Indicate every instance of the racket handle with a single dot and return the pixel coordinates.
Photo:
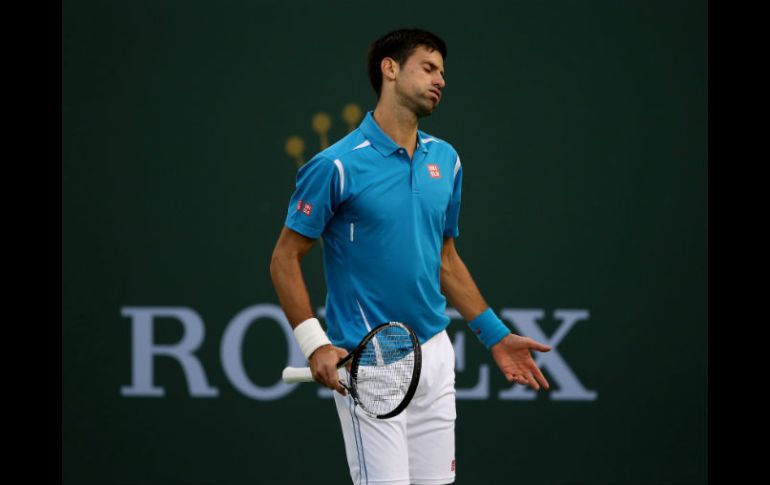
(292, 375)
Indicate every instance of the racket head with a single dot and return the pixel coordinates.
(385, 370)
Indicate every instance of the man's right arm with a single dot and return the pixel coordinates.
(289, 284)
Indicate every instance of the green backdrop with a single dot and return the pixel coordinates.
(582, 128)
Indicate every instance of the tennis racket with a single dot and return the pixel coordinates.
(384, 370)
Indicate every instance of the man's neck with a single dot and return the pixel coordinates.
(399, 123)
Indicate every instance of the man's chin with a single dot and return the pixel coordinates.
(426, 110)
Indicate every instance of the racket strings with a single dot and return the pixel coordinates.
(385, 370)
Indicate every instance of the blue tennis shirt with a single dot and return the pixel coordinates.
(382, 218)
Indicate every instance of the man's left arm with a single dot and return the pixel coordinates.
(511, 352)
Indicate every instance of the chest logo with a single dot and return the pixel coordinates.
(433, 171)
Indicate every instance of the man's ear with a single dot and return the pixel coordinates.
(389, 68)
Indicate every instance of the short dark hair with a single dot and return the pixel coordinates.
(399, 44)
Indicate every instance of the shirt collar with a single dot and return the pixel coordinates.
(381, 141)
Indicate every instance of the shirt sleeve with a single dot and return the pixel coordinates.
(316, 198)
(451, 227)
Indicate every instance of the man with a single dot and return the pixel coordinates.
(386, 200)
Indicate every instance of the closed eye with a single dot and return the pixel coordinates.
(430, 67)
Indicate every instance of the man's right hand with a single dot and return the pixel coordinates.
(323, 365)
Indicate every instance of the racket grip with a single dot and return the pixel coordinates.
(292, 375)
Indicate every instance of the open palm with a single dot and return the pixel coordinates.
(512, 355)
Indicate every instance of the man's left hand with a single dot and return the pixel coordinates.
(512, 355)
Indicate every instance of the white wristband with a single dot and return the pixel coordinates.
(310, 336)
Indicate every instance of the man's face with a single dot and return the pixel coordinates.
(420, 81)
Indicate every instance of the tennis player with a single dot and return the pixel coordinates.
(386, 200)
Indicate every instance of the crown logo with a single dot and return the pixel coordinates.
(321, 124)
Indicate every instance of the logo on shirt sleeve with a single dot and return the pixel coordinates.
(433, 170)
(305, 207)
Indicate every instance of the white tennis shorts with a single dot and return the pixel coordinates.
(418, 445)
